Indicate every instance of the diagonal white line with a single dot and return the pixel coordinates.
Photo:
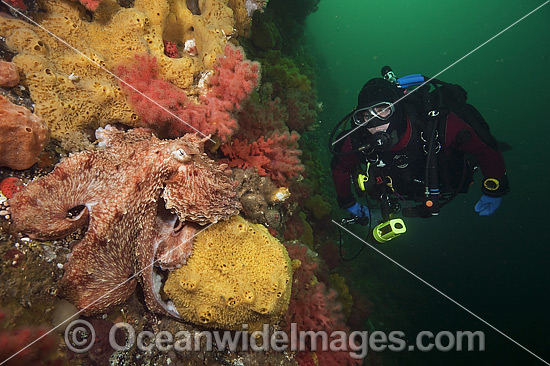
(99, 298)
(103, 68)
(440, 292)
(447, 68)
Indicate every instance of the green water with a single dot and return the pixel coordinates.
(496, 267)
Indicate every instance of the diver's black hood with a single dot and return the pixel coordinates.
(380, 90)
(375, 91)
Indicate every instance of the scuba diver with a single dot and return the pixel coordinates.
(413, 139)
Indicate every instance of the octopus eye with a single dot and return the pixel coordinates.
(75, 213)
(181, 156)
(178, 225)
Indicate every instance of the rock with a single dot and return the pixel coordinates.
(23, 136)
(9, 74)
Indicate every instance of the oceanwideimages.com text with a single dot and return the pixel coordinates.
(80, 335)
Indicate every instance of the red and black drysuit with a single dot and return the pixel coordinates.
(406, 161)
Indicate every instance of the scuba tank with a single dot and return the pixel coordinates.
(432, 116)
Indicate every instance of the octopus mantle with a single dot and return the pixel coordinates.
(142, 199)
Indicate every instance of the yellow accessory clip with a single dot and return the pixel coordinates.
(363, 178)
(390, 184)
(491, 184)
(388, 230)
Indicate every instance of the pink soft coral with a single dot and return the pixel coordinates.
(276, 156)
(235, 78)
(167, 109)
(90, 4)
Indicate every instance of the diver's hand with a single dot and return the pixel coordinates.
(359, 210)
(487, 205)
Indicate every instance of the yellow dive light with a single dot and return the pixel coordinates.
(388, 230)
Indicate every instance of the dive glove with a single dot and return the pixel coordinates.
(488, 205)
(359, 210)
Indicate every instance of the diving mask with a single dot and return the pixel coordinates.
(374, 115)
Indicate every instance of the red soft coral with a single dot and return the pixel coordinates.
(171, 49)
(167, 109)
(277, 156)
(10, 186)
(17, 3)
(313, 307)
(294, 228)
(14, 350)
(305, 359)
(259, 118)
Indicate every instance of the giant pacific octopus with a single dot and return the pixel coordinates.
(142, 199)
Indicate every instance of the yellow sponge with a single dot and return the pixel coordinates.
(238, 274)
